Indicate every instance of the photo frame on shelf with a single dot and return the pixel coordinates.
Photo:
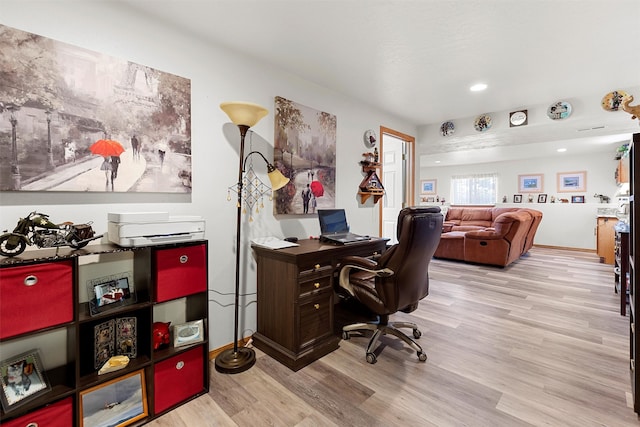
(115, 337)
(119, 402)
(572, 181)
(188, 333)
(109, 292)
(542, 198)
(22, 379)
(531, 183)
(577, 199)
(517, 198)
(428, 186)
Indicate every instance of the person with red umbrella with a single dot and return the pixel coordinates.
(110, 150)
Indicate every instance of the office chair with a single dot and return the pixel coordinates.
(397, 280)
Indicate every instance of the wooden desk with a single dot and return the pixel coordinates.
(296, 299)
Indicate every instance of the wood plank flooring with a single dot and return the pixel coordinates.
(539, 343)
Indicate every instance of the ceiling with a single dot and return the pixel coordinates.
(416, 59)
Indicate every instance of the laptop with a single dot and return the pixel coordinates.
(334, 227)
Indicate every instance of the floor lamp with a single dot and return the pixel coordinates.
(244, 115)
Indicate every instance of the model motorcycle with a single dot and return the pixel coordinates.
(36, 229)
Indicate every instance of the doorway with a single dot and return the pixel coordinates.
(398, 165)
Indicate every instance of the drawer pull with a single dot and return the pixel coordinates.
(316, 285)
(183, 259)
(316, 306)
(179, 365)
(317, 266)
(30, 280)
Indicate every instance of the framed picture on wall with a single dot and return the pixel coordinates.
(428, 186)
(531, 183)
(572, 182)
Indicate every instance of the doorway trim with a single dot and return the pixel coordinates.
(411, 146)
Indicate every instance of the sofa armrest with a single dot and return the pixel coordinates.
(446, 228)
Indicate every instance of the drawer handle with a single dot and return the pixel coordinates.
(316, 306)
(317, 266)
(30, 280)
(179, 365)
(316, 285)
(184, 259)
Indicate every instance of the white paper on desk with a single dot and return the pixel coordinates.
(273, 243)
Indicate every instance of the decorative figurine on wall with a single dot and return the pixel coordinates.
(633, 110)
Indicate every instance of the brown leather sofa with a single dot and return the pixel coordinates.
(494, 236)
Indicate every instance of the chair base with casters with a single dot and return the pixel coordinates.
(384, 327)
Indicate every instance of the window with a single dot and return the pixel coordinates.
(477, 189)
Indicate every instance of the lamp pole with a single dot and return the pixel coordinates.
(15, 167)
(50, 163)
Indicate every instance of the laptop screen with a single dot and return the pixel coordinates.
(332, 221)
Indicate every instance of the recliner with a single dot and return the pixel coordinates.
(397, 280)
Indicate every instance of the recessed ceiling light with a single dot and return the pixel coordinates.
(478, 87)
(437, 161)
(561, 150)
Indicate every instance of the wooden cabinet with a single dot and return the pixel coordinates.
(634, 248)
(622, 171)
(605, 238)
(296, 299)
(621, 268)
(48, 305)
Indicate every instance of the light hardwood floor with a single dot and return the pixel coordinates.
(539, 343)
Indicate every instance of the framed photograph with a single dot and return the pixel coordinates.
(428, 186)
(572, 181)
(577, 199)
(110, 292)
(530, 183)
(517, 198)
(188, 333)
(22, 379)
(542, 198)
(119, 402)
(431, 199)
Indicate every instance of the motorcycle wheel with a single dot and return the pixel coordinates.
(8, 248)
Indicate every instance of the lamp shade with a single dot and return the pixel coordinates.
(277, 179)
(244, 113)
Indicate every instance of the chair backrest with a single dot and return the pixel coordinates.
(419, 230)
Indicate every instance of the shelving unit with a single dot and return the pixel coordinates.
(366, 191)
(49, 311)
(621, 268)
(634, 247)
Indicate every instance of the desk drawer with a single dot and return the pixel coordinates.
(316, 283)
(60, 414)
(35, 296)
(178, 378)
(315, 318)
(180, 272)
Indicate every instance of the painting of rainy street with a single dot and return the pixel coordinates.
(305, 152)
(76, 120)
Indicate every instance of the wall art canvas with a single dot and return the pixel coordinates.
(305, 152)
(72, 119)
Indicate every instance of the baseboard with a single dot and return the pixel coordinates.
(564, 248)
(214, 353)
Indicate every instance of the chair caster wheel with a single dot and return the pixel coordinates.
(422, 356)
(345, 335)
(371, 358)
(417, 334)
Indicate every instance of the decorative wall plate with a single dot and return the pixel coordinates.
(559, 110)
(370, 138)
(447, 128)
(613, 100)
(482, 123)
(518, 118)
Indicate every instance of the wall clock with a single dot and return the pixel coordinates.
(447, 128)
(518, 118)
(370, 138)
(559, 110)
(482, 123)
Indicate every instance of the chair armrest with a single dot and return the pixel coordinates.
(350, 263)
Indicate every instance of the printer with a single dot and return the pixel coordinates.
(152, 228)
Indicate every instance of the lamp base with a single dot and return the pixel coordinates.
(233, 362)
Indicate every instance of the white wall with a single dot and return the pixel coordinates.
(216, 75)
(566, 225)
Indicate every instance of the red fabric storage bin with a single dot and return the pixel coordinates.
(180, 272)
(178, 378)
(60, 414)
(35, 296)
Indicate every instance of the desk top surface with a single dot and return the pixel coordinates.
(315, 247)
